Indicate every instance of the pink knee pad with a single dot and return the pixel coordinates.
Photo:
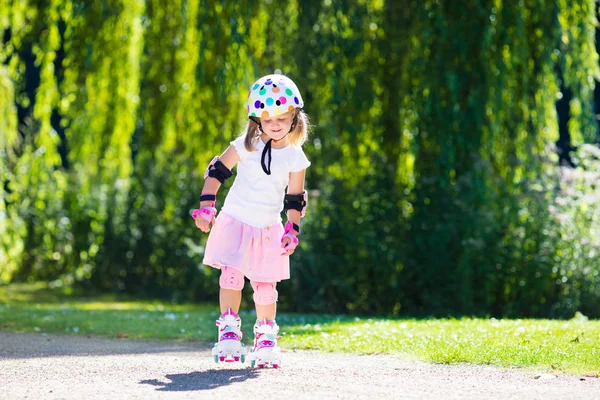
(264, 292)
(231, 278)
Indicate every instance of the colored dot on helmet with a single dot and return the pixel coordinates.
(289, 92)
(278, 111)
(262, 105)
(268, 82)
(265, 114)
(296, 100)
(253, 114)
(257, 104)
(278, 102)
(262, 91)
(269, 101)
(255, 86)
(290, 108)
(275, 89)
(283, 100)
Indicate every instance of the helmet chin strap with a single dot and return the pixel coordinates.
(277, 140)
(266, 165)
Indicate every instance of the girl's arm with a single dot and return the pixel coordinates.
(211, 185)
(229, 158)
(295, 186)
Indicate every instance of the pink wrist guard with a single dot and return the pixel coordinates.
(290, 234)
(207, 213)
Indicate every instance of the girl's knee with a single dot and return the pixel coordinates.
(264, 292)
(231, 279)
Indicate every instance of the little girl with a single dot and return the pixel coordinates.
(248, 238)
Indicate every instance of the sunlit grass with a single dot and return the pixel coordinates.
(571, 346)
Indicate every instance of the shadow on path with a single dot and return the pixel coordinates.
(202, 380)
(36, 345)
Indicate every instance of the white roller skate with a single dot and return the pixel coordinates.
(229, 348)
(265, 351)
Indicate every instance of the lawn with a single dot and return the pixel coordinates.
(571, 346)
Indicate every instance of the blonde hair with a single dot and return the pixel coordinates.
(297, 137)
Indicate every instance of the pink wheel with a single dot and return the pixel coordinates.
(236, 358)
(275, 365)
(221, 358)
(261, 366)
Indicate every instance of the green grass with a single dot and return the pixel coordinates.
(568, 346)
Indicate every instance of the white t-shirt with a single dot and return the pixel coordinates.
(256, 198)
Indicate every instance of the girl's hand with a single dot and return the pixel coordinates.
(285, 242)
(202, 224)
(289, 241)
(203, 217)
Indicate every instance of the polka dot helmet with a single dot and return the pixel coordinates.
(273, 95)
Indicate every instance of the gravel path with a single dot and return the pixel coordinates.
(39, 366)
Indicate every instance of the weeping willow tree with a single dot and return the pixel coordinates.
(487, 113)
(481, 231)
(432, 187)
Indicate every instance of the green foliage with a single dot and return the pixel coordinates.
(433, 190)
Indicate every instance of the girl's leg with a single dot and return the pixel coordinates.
(265, 350)
(265, 300)
(230, 295)
(229, 346)
(230, 299)
(265, 311)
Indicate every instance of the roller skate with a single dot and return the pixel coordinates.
(229, 348)
(265, 351)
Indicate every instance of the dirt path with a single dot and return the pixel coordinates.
(36, 366)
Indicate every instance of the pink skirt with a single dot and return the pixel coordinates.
(255, 252)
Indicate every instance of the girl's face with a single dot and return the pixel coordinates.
(277, 126)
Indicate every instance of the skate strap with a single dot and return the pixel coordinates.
(266, 330)
(230, 328)
(230, 336)
(265, 345)
(270, 337)
(222, 321)
(267, 340)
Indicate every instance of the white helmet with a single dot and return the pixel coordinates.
(273, 95)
